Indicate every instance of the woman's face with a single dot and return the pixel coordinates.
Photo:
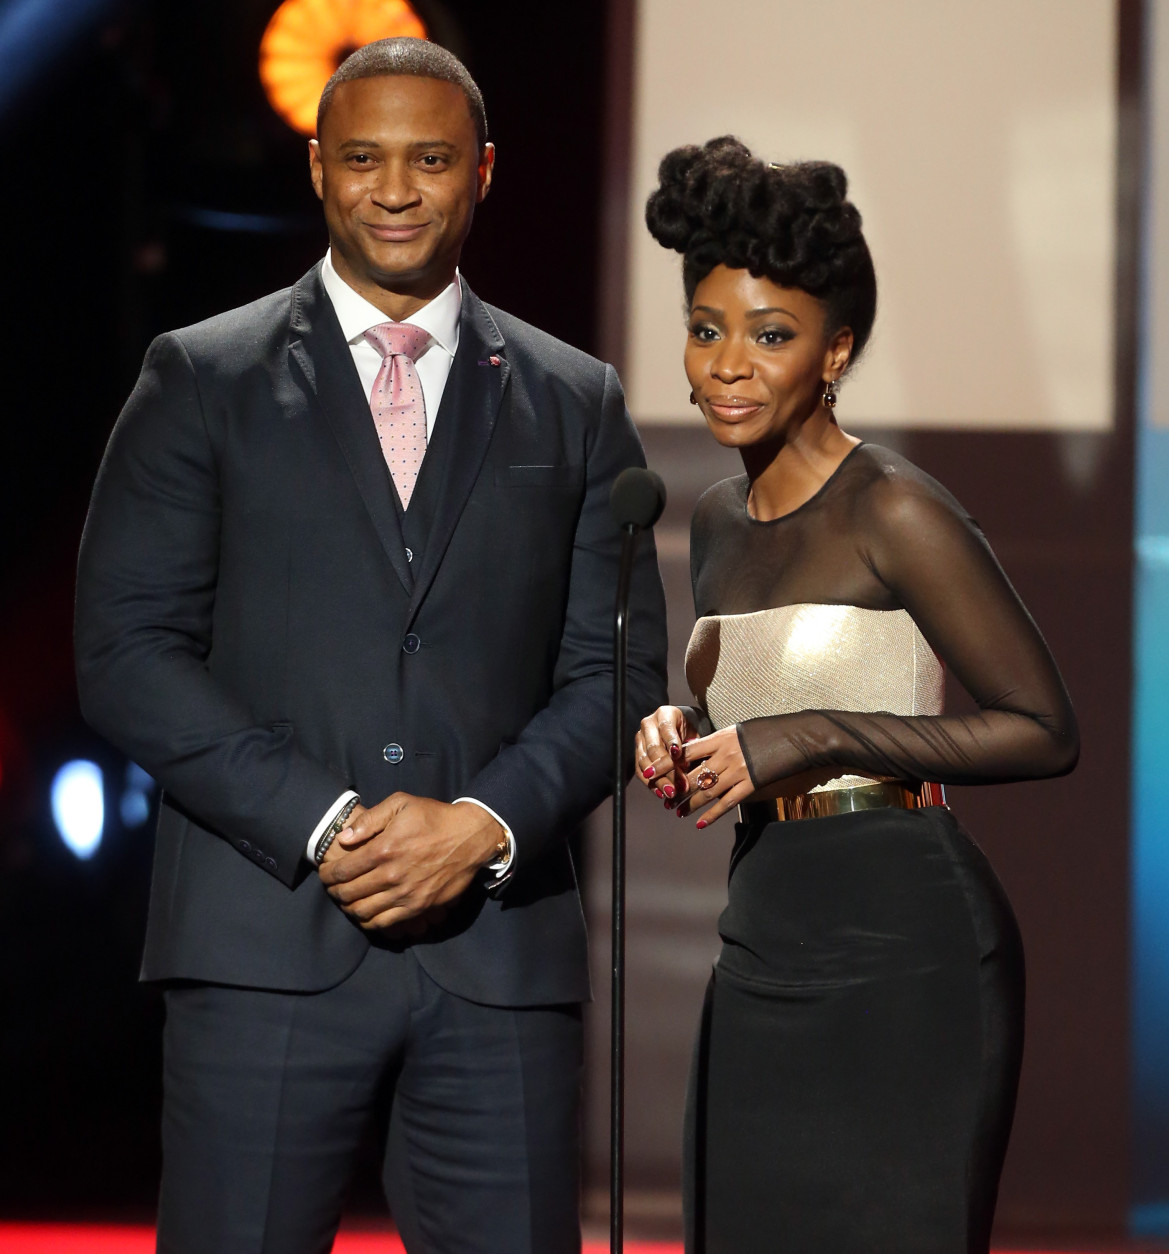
(757, 356)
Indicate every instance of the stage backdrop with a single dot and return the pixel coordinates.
(979, 140)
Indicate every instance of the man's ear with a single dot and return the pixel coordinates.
(485, 171)
(316, 169)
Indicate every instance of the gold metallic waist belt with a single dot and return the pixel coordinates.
(879, 795)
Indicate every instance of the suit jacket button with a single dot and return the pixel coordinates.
(245, 847)
(270, 863)
(409, 555)
(393, 754)
(411, 644)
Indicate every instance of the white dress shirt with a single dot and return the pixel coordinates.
(439, 317)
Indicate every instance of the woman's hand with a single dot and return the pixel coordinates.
(711, 771)
(658, 747)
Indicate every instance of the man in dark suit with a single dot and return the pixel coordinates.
(350, 547)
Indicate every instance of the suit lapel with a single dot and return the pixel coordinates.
(319, 349)
(462, 430)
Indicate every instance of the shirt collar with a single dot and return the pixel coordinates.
(356, 315)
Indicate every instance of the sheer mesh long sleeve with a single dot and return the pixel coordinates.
(882, 535)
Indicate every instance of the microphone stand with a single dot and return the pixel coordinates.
(629, 534)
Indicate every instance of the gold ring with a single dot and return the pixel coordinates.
(706, 778)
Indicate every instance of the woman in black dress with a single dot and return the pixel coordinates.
(859, 1052)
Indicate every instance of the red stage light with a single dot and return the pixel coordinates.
(87, 1239)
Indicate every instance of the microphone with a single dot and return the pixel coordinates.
(637, 499)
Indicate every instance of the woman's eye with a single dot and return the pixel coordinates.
(704, 334)
(774, 336)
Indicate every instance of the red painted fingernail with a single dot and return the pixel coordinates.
(675, 751)
(660, 793)
(649, 772)
(681, 814)
(700, 824)
(669, 790)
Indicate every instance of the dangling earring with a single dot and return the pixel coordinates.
(830, 394)
(693, 399)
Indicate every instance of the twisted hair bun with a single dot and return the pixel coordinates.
(720, 205)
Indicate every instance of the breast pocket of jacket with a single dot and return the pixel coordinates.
(533, 510)
(547, 477)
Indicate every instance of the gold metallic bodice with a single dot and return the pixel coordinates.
(812, 657)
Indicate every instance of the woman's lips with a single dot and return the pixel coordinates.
(733, 406)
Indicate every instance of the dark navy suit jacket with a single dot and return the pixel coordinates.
(244, 596)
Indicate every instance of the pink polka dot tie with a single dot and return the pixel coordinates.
(399, 410)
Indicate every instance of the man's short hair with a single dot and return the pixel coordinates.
(405, 55)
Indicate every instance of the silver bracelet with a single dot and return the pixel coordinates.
(334, 830)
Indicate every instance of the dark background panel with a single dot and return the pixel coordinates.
(1057, 509)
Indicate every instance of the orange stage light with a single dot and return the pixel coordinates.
(307, 39)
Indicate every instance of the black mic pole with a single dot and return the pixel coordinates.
(637, 500)
(617, 1023)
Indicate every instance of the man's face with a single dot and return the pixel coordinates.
(399, 170)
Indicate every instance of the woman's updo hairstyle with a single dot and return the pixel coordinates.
(720, 205)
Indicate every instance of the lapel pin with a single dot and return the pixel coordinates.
(492, 361)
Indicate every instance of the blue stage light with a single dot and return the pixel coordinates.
(79, 810)
(35, 33)
(135, 804)
(248, 223)
(134, 808)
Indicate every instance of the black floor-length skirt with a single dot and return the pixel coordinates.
(856, 1066)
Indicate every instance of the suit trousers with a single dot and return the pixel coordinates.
(267, 1097)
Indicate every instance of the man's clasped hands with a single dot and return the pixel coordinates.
(398, 865)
